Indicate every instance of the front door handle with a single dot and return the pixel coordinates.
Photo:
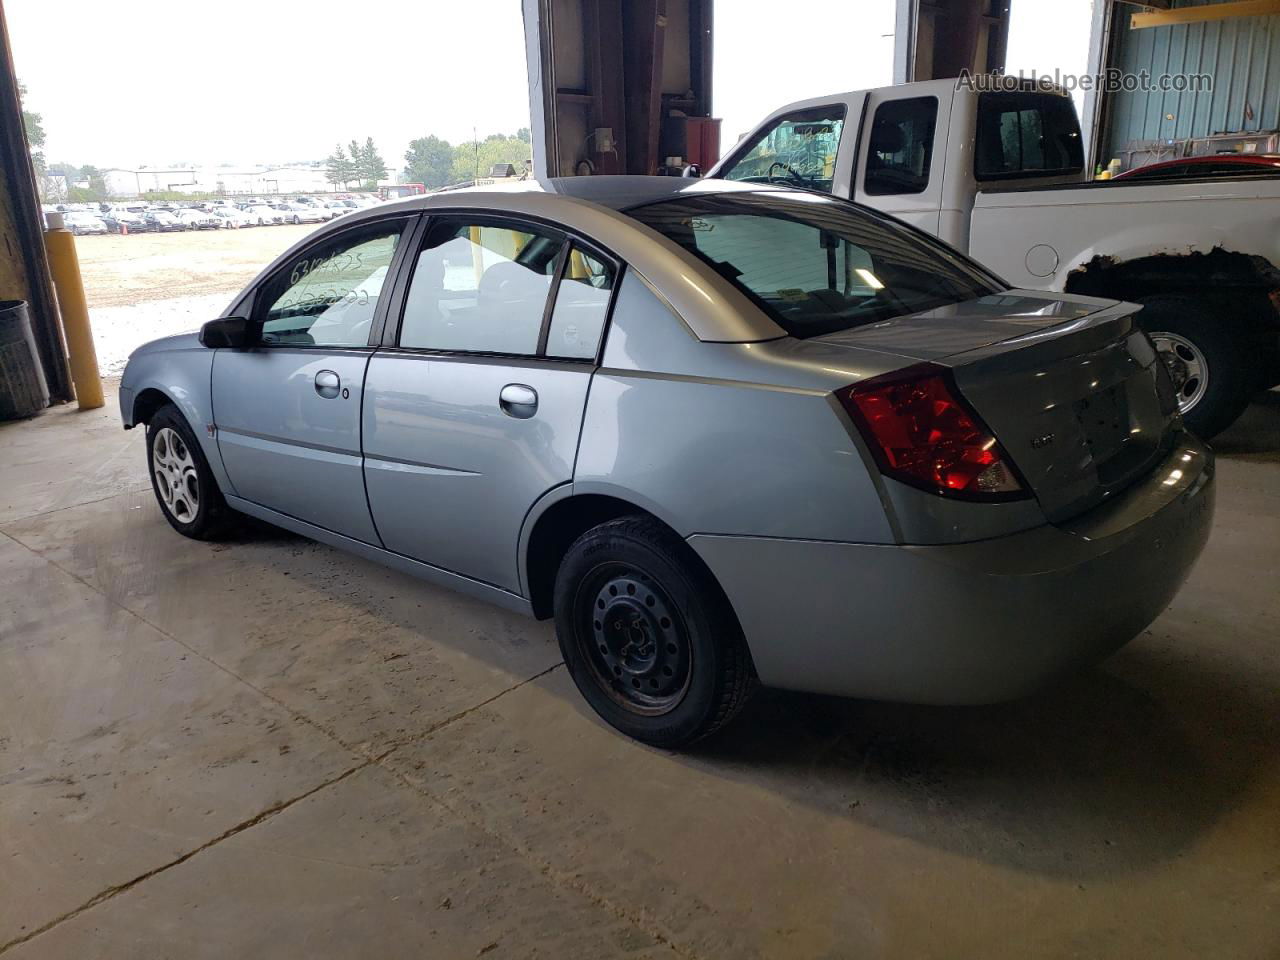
(328, 384)
(518, 400)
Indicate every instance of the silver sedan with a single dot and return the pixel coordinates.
(724, 434)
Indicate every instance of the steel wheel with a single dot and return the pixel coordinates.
(1187, 366)
(634, 639)
(176, 476)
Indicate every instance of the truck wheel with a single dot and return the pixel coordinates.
(647, 635)
(1211, 374)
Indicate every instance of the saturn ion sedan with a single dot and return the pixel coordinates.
(724, 434)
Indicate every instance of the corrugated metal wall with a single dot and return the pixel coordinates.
(1241, 53)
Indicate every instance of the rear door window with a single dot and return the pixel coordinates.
(900, 151)
(481, 287)
(798, 150)
(1027, 135)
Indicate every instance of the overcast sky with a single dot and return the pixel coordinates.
(252, 81)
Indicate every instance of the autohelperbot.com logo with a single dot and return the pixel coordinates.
(1112, 80)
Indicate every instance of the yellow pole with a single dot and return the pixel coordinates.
(60, 246)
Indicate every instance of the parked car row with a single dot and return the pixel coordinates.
(166, 217)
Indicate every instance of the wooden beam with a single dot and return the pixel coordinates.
(700, 52)
(1213, 11)
(644, 25)
(602, 29)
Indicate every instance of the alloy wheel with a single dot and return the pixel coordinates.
(1187, 366)
(176, 477)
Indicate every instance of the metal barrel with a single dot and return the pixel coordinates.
(23, 390)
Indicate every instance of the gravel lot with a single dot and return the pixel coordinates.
(157, 284)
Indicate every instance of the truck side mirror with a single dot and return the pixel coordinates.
(691, 170)
(230, 332)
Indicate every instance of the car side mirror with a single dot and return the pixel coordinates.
(692, 170)
(230, 332)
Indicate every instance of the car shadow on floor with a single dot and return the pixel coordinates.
(1096, 777)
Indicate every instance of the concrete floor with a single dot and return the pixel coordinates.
(266, 748)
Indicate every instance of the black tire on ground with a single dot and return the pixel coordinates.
(1227, 367)
(297, 220)
(211, 516)
(647, 634)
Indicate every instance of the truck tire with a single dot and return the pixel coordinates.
(1212, 373)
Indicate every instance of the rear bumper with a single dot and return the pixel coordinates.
(968, 623)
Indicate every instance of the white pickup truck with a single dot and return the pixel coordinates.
(1000, 176)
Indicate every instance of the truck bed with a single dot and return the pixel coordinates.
(1035, 237)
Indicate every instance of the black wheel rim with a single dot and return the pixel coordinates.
(633, 639)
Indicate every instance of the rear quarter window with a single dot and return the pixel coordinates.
(1027, 135)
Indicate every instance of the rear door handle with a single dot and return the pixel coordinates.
(518, 400)
(328, 384)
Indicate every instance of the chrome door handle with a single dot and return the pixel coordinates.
(328, 384)
(518, 400)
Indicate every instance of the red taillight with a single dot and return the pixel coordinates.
(922, 433)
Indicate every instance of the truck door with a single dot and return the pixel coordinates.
(900, 170)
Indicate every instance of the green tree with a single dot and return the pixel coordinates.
(428, 161)
(97, 181)
(477, 159)
(84, 195)
(68, 170)
(370, 165)
(338, 167)
(525, 134)
(33, 124)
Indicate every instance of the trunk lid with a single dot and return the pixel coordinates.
(1070, 387)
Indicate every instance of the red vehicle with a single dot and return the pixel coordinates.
(1218, 165)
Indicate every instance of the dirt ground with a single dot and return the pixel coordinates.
(124, 271)
(149, 285)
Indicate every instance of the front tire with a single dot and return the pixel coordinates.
(1213, 375)
(648, 636)
(181, 479)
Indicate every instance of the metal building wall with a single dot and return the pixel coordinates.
(1241, 53)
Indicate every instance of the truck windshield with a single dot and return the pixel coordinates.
(815, 264)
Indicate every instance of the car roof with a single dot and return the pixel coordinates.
(596, 207)
(619, 193)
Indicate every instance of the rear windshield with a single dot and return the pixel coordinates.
(1027, 135)
(815, 264)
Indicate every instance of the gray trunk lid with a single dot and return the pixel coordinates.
(1070, 386)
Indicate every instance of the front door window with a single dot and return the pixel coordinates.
(328, 295)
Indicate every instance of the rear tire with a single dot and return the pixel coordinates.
(1212, 372)
(181, 479)
(648, 636)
